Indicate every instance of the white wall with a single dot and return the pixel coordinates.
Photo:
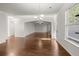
(20, 27)
(29, 28)
(40, 27)
(11, 26)
(3, 27)
(72, 49)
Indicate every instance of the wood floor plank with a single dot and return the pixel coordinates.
(33, 46)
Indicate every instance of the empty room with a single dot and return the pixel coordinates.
(39, 29)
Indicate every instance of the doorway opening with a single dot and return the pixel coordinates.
(41, 29)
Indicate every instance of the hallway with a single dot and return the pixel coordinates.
(33, 46)
(39, 29)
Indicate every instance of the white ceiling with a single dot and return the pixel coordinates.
(30, 8)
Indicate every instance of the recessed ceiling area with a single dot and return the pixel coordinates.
(30, 8)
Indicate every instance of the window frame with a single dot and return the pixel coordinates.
(73, 41)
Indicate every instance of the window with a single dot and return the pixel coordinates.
(72, 25)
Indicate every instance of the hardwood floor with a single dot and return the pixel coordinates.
(37, 44)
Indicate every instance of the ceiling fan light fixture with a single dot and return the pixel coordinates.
(35, 17)
(42, 15)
